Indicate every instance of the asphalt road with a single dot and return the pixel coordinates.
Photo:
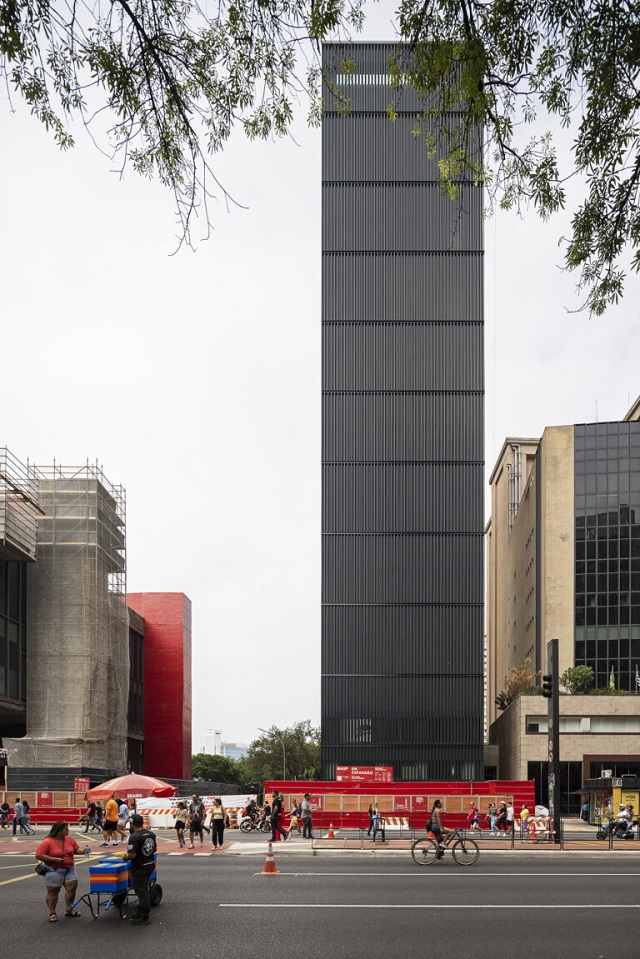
(565, 905)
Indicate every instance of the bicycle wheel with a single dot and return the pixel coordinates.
(424, 852)
(465, 851)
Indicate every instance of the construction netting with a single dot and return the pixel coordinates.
(78, 636)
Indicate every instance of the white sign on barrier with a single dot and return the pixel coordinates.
(160, 811)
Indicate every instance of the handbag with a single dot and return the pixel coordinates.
(41, 869)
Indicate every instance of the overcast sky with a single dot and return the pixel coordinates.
(194, 380)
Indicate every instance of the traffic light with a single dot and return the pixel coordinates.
(547, 686)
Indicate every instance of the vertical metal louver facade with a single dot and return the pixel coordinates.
(402, 442)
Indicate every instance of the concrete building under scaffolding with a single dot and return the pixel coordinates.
(72, 697)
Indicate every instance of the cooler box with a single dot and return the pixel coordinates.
(110, 876)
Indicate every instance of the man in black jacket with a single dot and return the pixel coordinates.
(276, 816)
(141, 850)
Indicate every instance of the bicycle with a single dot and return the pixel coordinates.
(465, 851)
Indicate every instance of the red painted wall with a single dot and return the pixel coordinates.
(167, 682)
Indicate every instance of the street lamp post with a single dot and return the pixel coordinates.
(268, 732)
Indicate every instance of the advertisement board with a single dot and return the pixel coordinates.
(81, 784)
(364, 774)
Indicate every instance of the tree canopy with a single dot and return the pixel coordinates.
(294, 750)
(577, 679)
(173, 80)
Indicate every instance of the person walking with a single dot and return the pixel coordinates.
(18, 817)
(57, 852)
(370, 811)
(27, 817)
(524, 823)
(378, 824)
(196, 819)
(123, 818)
(474, 818)
(141, 853)
(180, 814)
(492, 818)
(277, 812)
(90, 816)
(510, 816)
(110, 825)
(217, 822)
(5, 815)
(295, 818)
(306, 815)
(502, 817)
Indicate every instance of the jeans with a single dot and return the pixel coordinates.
(20, 822)
(306, 827)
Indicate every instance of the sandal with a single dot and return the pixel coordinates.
(72, 913)
(53, 917)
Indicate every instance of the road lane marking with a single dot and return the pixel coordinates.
(29, 875)
(433, 906)
(456, 875)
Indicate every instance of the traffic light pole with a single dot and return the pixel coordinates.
(551, 690)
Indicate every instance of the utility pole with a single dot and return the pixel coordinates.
(550, 690)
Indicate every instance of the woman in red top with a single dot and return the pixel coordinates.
(57, 852)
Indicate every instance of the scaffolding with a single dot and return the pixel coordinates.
(19, 508)
(78, 631)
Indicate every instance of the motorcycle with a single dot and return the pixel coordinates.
(260, 824)
(617, 829)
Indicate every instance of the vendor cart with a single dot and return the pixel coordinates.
(110, 885)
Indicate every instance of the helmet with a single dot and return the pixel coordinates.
(622, 806)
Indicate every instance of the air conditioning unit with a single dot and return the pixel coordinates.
(606, 774)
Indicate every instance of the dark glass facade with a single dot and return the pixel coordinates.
(13, 636)
(607, 563)
(402, 442)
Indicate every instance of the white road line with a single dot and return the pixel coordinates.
(432, 906)
(427, 874)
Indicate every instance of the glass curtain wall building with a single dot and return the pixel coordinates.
(607, 573)
(402, 441)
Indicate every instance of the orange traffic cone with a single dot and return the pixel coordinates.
(330, 834)
(270, 863)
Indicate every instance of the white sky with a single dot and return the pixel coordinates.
(195, 381)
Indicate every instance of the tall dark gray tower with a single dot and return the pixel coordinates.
(402, 442)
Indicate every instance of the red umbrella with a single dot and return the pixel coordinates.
(133, 786)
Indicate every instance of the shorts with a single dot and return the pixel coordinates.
(57, 877)
(109, 825)
(195, 826)
(179, 824)
(435, 829)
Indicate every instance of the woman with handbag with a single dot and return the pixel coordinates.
(56, 853)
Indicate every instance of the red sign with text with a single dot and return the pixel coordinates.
(364, 774)
(81, 784)
(45, 799)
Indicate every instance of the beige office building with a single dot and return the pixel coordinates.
(563, 562)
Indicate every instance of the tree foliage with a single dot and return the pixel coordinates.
(300, 758)
(215, 769)
(267, 760)
(175, 79)
(522, 679)
(578, 679)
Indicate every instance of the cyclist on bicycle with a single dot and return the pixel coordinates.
(435, 825)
